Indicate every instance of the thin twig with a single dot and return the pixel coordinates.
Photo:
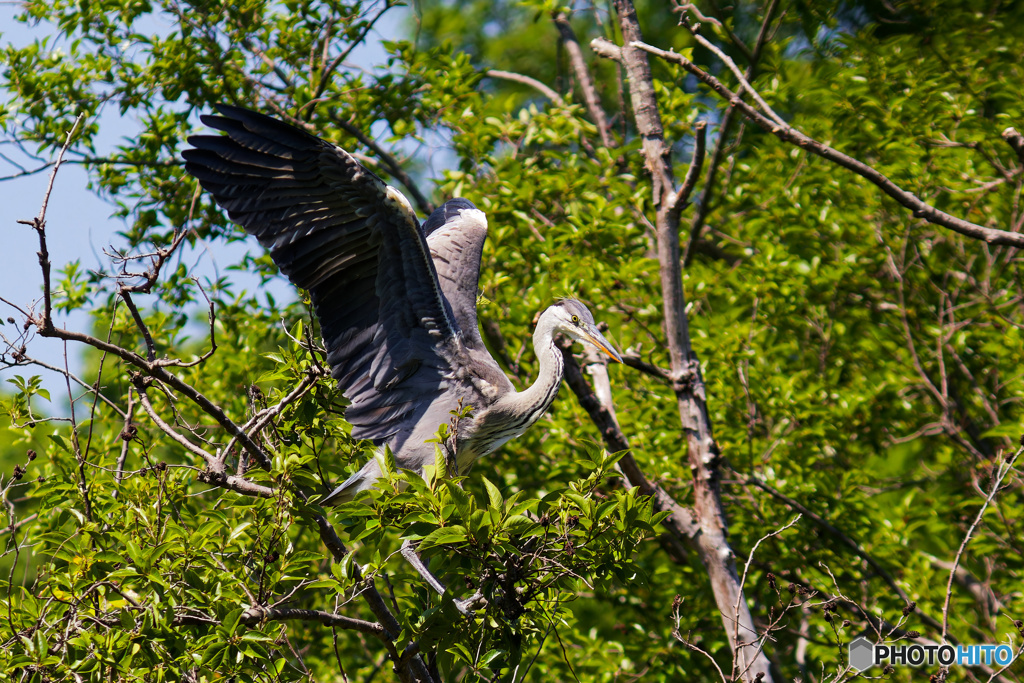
(527, 80)
(39, 225)
(681, 199)
(140, 386)
(328, 71)
(261, 419)
(212, 317)
(1004, 469)
(739, 596)
(141, 324)
(724, 130)
(787, 133)
(740, 77)
(88, 387)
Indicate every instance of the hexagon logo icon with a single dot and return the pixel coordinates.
(862, 654)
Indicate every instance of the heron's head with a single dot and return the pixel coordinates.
(574, 320)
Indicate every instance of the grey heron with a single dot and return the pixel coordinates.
(396, 300)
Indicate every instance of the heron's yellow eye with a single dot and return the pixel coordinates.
(576, 319)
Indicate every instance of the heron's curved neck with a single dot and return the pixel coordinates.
(536, 398)
(516, 411)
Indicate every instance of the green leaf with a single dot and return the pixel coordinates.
(445, 536)
(494, 496)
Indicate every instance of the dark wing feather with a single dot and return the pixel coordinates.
(337, 230)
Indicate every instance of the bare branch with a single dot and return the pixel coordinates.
(88, 387)
(527, 80)
(850, 543)
(258, 615)
(739, 595)
(586, 83)
(603, 47)
(682, 521)
(159, 258)
(139, 383)
(724, 129)
(156, 371)
(787, 133)
(679, 200)
(634, 361)
(691, 8)
(39, 225)
(263, 418)
(739, 76)
(676, 603)
(1016, 141)
(1004, 469)
(702, 451)
(328, 71)
(394, 168)
(140, 323)
(212, 317)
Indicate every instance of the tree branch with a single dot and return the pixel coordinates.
(850, 543)
(527, 80)
(394, 168)
(256, 615)
(682, 523)
(579, 67)
(1016, 141)
(703, 454)
(787, 133)
(1004, 469)
(724, 129)
(39, 225)
(681, 199)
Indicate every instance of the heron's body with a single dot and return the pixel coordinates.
(396, 300)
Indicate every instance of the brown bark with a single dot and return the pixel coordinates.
(586, 83)
(710, 541)
(724, 128)
(787, 133)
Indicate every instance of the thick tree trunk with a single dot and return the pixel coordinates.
(711, 541)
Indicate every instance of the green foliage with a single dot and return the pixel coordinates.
(860, 363)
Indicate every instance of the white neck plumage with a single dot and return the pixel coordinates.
(539, 396)
(515, 412)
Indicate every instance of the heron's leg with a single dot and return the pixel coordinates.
(412, 557)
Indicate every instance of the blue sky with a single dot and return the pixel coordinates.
(80, 226)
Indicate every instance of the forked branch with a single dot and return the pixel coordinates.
(702, 451)
(771, 122)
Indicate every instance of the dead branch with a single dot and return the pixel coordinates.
(1005, 467)
(258, 615)
(787, 133)
(39, 222)
(1016, 142)
(688, 384)
(681, 523)
(527, 80)
(586, 83)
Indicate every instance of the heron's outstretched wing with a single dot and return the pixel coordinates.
(338, 231)
(456, 233)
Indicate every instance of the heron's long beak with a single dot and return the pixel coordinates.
(592, 335)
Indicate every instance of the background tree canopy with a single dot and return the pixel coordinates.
(860, 360)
